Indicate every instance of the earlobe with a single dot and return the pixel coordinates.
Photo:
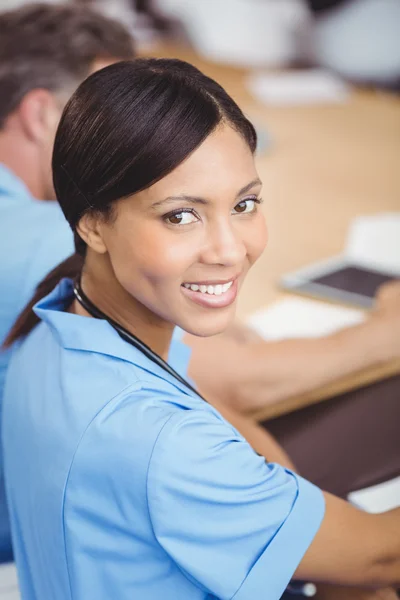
(89, 230)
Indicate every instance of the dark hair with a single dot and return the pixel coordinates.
(125, 128)
(54, 47)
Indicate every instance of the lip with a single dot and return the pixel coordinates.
(211, 300)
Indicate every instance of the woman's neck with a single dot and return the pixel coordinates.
(102, 288)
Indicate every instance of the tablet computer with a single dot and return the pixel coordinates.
(339, 280)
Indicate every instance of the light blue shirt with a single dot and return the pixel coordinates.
(122, 483)
(34, 238)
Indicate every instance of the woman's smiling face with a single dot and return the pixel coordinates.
(181, 248)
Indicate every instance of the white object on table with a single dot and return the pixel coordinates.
(311, 86)
(378, 498)
(374, 241)
(301, 317)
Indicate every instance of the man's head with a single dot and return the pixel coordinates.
(45, 53)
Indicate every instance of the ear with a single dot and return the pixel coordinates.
(38, 114)
(89, 229)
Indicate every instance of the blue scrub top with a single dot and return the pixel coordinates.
(122, 483)
(34, 238)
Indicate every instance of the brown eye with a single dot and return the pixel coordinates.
(175, 219)
(241, 207)
(246, 206)
(182, 217)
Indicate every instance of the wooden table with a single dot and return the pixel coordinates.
(325, 166)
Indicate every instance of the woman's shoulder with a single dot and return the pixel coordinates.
(93, 386)
(121, 438)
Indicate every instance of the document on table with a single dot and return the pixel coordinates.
(299, 317)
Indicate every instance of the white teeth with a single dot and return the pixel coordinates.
(216, 290)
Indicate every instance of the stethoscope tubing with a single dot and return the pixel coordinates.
(129, 337)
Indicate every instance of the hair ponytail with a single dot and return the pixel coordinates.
(71, 268)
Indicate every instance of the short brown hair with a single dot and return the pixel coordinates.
(54, 47)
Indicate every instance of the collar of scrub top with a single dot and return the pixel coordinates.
(76, 332)
(13, 187)
(127, 336)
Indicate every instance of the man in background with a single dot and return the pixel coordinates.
(45, 53)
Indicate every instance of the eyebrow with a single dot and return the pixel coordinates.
(198, 200)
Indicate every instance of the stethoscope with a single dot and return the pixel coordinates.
(129, 337)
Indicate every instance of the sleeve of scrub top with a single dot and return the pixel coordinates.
(235, 525)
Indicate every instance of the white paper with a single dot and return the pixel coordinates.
(300, 317)
(312, 86)
(374, 241)
(378, 498)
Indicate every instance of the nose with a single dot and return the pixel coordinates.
(224, 246)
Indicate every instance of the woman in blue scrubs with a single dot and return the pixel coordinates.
(122, 481)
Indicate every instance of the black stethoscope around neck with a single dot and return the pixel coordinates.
(129, 337)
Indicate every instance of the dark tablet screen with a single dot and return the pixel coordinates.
(355, 279)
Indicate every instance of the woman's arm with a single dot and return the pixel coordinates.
(354, 548)
(351, 548)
